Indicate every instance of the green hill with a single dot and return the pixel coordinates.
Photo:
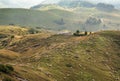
(33, 18)
(47, 57)
(59, 19)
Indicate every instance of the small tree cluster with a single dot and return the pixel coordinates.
(77, 33)
(6, 68)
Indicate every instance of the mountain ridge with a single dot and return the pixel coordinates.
(72, 3)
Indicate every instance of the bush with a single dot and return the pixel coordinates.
(75, 34)
(69, 65)
(10, 67)
(12, 36)
(6, 68)
(3, 69)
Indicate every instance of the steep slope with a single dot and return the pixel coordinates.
(68, 58)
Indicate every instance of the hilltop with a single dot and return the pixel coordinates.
(59, 57)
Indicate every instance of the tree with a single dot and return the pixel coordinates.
(6, 68)
(86, 33)
(77, 33)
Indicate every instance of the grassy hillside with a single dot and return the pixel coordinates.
(60, 19)
(47, 57)
(32, 18)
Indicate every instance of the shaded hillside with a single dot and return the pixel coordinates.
(47, 57)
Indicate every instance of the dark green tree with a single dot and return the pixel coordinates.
(6, 68)
(86, 33)
(77, 33)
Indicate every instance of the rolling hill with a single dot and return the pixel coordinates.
(60, 19)
(56, 57)
(40, 43)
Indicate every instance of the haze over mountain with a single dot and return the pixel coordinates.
(29, 3)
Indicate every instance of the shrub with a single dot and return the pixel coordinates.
(69, 65)
(3, 69)
(10, 67)
(12, 36)
(6, 68)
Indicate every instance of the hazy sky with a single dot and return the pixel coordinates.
(19, 3)
(29, 3)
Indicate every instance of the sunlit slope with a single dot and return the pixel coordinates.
(68, 58)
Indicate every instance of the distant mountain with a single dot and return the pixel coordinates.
(67, 3)
(75, 4)
(45, 3)
(105, 7)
